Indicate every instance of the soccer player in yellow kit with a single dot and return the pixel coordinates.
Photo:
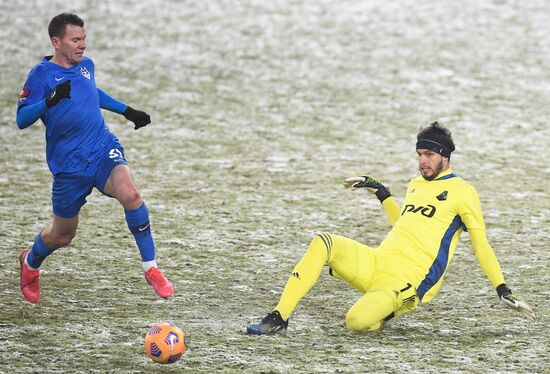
(409, 265)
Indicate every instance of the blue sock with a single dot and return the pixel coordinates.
(38, 253)
(138, 223)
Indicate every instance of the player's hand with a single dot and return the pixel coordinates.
(61, 91)
(138, 117)
(367, 182)
(513, 302)
(371, 184)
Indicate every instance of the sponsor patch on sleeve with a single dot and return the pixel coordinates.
(24, 94)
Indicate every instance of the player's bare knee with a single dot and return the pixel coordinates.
(131, 199)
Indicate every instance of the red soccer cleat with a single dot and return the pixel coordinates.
(29, 280)
(160, 284)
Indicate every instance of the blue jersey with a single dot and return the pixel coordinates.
(75, 129)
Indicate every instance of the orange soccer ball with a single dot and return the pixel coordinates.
(165, 343)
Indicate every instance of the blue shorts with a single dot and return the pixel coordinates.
(69, 190)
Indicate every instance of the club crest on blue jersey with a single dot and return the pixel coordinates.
(85, 72)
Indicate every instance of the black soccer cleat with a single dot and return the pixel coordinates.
(270, 324)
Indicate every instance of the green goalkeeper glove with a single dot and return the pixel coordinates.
(513, 302)
(371, 184)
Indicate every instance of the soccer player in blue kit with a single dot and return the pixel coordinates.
(81, 151)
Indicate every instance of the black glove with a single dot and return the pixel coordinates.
(371, 184)
(138, 117)
(61, 91)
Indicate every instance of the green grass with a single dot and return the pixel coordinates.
(260, 110)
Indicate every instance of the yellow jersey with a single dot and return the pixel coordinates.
(426, 230)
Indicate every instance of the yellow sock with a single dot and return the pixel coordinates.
(303, 277)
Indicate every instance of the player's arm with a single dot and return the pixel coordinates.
(486, 256)
(383, 194)
(138, 117)
(27, 113)
(490, 265)
(473, 218)
(108, 102)
(392, 209)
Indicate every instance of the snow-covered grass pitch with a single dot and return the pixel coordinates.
(260, 110)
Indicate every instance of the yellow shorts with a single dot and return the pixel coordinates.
(385, 293)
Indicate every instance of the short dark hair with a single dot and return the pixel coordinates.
(59, 23)
(437, 138)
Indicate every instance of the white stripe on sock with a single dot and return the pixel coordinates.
(148, 265)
